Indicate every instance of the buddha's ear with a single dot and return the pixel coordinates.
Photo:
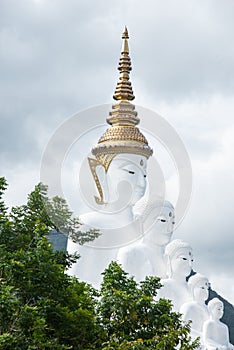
(98, 172)
(101, 174)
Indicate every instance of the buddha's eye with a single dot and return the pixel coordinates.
(184, 258)
(131, 172)
(162, 220)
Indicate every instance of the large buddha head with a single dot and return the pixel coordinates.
(120, 156)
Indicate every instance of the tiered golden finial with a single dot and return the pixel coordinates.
(124, 87)
(122, 136)
(123, 112)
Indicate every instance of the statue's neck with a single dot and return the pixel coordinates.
(158, 249)
(181, 279)
(201, 302)
(123, 214)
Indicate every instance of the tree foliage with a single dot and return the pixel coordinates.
(43, 308)
(133, 319)
(57, 215)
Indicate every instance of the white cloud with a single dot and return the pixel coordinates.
(21, 181)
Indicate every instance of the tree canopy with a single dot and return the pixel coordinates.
(133, 319)
(41, 307)
(55, 213)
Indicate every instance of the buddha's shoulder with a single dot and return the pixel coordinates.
(89, 218)
(168, 282)
(190, 306)
(136, 249)
(96, 220)
(209, 323)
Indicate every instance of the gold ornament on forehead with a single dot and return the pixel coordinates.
(123, 136)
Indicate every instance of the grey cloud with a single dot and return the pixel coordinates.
(186, 48)
(49, 55)
(62, 58)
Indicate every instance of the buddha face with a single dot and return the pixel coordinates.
(181, 262)
(126, 178)
(217, 310)
(200, 291)
(159, 225)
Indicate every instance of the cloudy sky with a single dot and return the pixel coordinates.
(59, 57)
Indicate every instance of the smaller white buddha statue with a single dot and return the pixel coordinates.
(145, 257)
(215, 332)
(196, 310)
(179, 258)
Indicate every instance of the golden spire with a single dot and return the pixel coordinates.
(122, 136)
(123, 112)
(124, 87)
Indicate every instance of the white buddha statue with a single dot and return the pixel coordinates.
(179, 265)
(215, 332)
(196, 310)
(146, 256)
(118, 165)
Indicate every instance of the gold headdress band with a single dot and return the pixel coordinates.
(122, 136)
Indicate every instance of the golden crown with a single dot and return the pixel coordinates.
(122, 136)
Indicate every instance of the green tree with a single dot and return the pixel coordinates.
(57, 215)
(3, 186)
(41, 307)
(132, 319)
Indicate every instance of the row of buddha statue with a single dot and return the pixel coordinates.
(136, 229)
